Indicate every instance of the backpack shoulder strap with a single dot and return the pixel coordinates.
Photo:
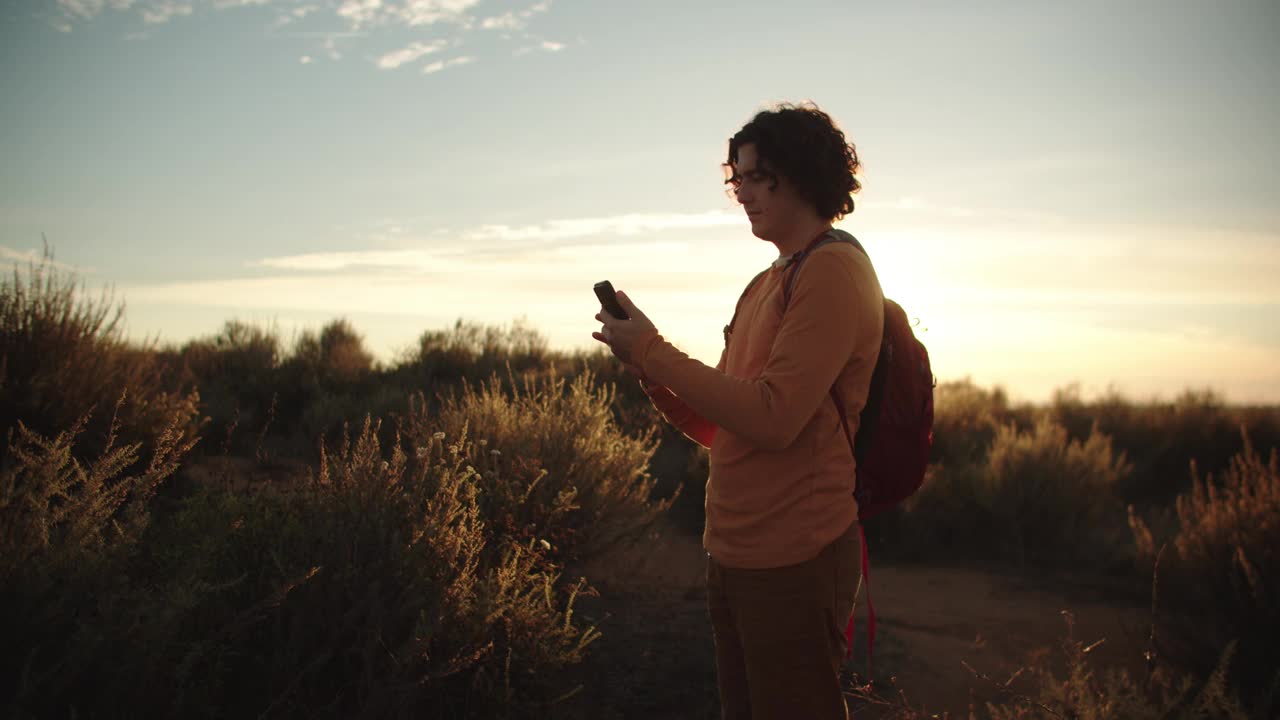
(794, 267)
(729, 328)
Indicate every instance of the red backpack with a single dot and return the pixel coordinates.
(895, 429)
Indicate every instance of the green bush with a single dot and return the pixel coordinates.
(1219, 580)
(556, 462)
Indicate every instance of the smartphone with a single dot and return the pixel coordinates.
(609, 300)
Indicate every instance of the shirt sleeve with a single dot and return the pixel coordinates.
(813, 343)
(680, 415)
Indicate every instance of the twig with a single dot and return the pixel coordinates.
(1006, 691)
(1150, 655)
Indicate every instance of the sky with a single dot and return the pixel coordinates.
(1062, 193)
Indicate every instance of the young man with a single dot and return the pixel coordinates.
(781, 522)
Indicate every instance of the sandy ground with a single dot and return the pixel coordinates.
(655, 658)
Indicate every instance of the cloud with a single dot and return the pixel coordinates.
(506, 21)
(439, 65)
(420, 12)
(23, 258)
(512, 20)
(544, 45)
(83, 9)
(161, 12)
(414, 51)
(409, 260)
(305, 60)
(912, 204)
(629, 224)
(360, 12)
(354, 18)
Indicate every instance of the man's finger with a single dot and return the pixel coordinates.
(625, 302)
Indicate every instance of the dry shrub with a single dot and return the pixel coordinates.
(966, 418)
(1218, 581)
(64, 357)
(556, 462)
(1162, 437)
(374, 589)
(1037, 496)
(474, 351)
(1068, 684)
(67, 531)
(1086, 693)
(335, 355)
(237, 370)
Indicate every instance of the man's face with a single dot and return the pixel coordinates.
(772, 212)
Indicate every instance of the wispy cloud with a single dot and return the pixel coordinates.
(414, 51)
(85, 9)
(629, 224)
(360, 12)
(24, 258)
(514, 20)
(439, 65)
(163, 11)
(506, 21)
(543, 45)
(415, 260)
(429, 12)
(345, 19)
(916, 205)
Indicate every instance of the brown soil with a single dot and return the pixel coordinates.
(655, 657)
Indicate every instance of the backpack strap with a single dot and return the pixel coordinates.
(728, 329)
(798, 259)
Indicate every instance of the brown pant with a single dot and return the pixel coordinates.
(779, 634)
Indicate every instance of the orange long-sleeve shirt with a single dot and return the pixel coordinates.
(782, 476)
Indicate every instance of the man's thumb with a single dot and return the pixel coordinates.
(625, 302)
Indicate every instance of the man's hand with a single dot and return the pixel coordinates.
(624, 337)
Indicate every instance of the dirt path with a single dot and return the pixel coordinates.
(655, 659)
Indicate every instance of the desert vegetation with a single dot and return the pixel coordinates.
(236, 527)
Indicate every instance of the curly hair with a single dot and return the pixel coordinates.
(802, 144)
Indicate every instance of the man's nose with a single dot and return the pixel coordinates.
(744, 194)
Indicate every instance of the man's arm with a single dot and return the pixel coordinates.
(812, 345)
(679, 414)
